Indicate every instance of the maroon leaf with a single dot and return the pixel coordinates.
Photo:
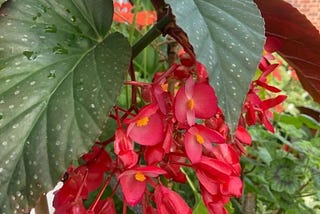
(300, 41)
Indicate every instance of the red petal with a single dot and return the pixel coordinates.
(122, 143)
(266, 123)
(266, 71)
(227, 153)
(129, 158)
(170, 202)
(192, 147)
(151, 171)
(232, 187)
(189, 88)
(210, 185)
(205, 101)
(268, 87)
(243, 135)
(217, 208)
(272, 102)
(211, 136)
(153, 154)
(180, 105)
(150, 134)
(144, 112)
(211, 171)
(132, 189)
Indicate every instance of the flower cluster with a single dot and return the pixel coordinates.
(179, 126)
(255, 109)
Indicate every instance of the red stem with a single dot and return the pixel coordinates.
(124, 207)
(106, 142)
(167, 73)
(94, 204)
(114, 190)
(128, 112)
(82, 185)
(151, 182)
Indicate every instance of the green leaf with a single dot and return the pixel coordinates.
(228, 38)
(282, 175)
(264, 155)
(60, 74)
(309, 121)
(288, 119)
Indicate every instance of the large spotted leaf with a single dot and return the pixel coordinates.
(60, 74)
(228, 37)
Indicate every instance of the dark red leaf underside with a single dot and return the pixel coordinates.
(300, 41)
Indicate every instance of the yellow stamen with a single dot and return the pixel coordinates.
(164, 87)
(139, 176)
(191, 104)
(143, 121)
(199, 139)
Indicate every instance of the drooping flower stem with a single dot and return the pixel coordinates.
(82, 185)
(151, 35)
(124, 207)
(94, 204)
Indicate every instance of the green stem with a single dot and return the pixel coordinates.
(151, 35)
(193, 188)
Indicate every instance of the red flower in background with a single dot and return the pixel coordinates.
(123, 14)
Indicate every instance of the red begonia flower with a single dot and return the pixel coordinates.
(170, 202)
(226, 153)
(147, 127)
(194, 100)
(211, 171)
(198, 136)
(74, 186)
(134, 182)
(214, 203)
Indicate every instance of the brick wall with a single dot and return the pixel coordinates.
(310, 8)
